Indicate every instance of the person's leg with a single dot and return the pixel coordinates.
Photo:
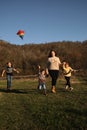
(44, 87)
(40, 86)
(9, 80)
(54, 75)
(67, 85)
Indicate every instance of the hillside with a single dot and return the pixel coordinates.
(27, 57)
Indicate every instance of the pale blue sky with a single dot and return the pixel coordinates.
(43, 20)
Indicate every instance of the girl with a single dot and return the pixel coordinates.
(41, 80)
(67, 70)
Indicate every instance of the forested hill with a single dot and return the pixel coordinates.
(27, 57)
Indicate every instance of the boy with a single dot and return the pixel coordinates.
(9, 72)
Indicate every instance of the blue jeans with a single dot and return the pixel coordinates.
(42, 85)
(9, 80)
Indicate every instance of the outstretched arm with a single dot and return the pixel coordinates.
(3, 73)
(16, 70)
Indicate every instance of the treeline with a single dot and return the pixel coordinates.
(27, 57)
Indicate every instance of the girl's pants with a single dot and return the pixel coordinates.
(68, 81)
(42, 85)
(54, 75)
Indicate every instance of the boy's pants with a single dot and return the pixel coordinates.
(9, 80)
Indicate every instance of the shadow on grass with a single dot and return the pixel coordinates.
(13, 91)
(63, 90)
(19, 91)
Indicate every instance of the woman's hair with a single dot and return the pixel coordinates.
(50, 53)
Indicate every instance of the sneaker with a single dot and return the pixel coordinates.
(45, 94)
(71, 88)
(66, 87)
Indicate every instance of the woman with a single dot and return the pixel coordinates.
(53, 65)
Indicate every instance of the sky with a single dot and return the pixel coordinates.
(43, 21)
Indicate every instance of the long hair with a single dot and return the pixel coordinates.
(50, 53)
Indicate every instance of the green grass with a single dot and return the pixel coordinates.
(25, 108)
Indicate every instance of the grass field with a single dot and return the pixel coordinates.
(25, 108)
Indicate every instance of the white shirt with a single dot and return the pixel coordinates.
(53, 63)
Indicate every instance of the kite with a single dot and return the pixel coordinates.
(20, 33)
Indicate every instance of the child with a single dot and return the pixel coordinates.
(9, 72)
(42, 79)
(67, 70)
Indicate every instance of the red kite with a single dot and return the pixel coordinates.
(20, 33)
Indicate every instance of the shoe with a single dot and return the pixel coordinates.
(66, 87)
(53, 90)
(45, 94)
(71, 88)
(8, 89)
